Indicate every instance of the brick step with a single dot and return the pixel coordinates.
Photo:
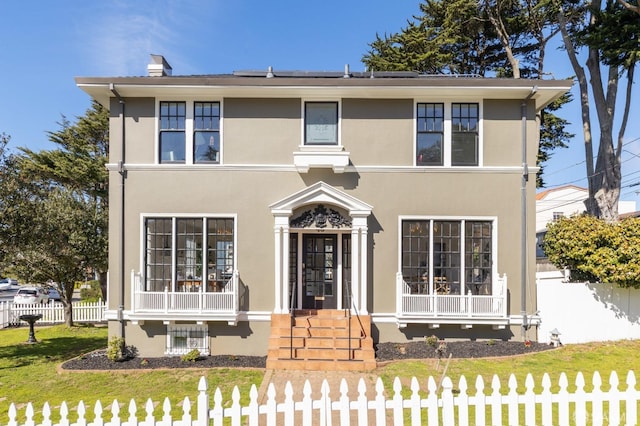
(329, 354)
(318, 342)
(320, 365)
(326, 339)
(317, 332)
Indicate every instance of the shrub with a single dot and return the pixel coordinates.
(431, 341)
(119, 351)
(191, 356)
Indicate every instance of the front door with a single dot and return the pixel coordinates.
(319, 273)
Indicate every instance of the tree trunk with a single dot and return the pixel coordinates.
(590, 204)
(68, 312)
(102, 277)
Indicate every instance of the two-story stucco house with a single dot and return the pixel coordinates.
(309, 215)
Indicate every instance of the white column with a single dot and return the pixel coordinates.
(355, 264)
(278, 269)
(285, 269)
(363, 270)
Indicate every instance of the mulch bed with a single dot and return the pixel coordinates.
(384, 352)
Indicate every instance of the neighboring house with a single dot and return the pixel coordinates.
(308, 215)
(565, 201)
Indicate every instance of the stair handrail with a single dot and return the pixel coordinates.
(294, 290)
(355, 309)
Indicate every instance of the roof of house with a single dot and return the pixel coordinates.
(542, 195)
(272, 83)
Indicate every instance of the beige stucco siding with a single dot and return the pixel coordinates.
(502, 136)
(378, 132)
(261, 131)
(249, 194)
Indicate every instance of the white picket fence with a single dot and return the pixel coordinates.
(52, 313)
(460, 406)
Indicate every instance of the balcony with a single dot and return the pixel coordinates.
(465, 310)
(218, 303)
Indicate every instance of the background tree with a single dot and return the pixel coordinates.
(505, 38)
(609, 35)
(53, 206)
(79, 165)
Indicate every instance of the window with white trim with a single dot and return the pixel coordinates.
(189, 132)
(172, 132)
(447, 256)
(188, 254)
(183, 338)
(464, 134)
(321, 123)
(206, 132)
(430, 134)
(447, 134)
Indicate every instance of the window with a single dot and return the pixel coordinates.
(182, 339)
(447, 256)
(177, 250)
(447, 140)
(557, 216)
(321, 123)
(430, 127)
(464, 134)
(206, 134)
(172, 132)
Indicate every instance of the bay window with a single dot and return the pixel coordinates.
(188, 254)
(447, 256)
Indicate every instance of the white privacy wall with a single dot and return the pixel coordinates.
(585, 312)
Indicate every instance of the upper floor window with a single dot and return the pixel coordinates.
(321, 123)
(172, 132)
(206, 132)
(430, 137)
(464, 134)
(447, 139)
(557, 216)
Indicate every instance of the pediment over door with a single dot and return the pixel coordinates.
(324, 197)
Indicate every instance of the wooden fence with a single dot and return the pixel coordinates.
(52, 313)
(439, 405)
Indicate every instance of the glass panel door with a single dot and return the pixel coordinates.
(319, 271)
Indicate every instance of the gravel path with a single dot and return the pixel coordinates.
(384, 352)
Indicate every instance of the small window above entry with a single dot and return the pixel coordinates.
(321, 146)
(321, 123)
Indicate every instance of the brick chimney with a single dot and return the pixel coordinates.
(159, 67)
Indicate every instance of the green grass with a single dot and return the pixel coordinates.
(29, 373)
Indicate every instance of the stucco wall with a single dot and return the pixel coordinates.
(596, 313)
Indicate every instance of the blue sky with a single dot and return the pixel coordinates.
(46, 44)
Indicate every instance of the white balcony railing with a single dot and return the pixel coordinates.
(452, 308)
(224, 301)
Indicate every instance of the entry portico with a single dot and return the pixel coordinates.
(321, 210)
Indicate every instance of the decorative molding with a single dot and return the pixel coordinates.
(320, 216)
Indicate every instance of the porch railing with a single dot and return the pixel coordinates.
(225, 301)
(452, 306)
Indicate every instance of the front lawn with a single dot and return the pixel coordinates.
(30, 374)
